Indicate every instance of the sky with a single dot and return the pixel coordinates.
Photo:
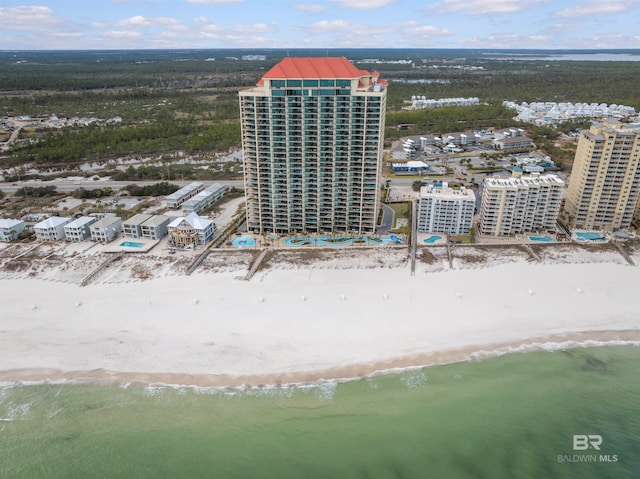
(137, 24)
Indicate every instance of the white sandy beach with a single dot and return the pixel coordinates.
(304, 324)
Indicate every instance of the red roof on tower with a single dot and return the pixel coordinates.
(315, 67)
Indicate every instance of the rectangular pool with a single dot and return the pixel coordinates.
(132, 244)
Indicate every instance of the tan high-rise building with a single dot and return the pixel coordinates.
(520, 204)
(312, 139)
(604, 188)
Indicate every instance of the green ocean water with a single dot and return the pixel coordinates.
(504, 417)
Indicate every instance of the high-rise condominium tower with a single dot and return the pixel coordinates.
(605, 178)
(520, 204)
(312, 139)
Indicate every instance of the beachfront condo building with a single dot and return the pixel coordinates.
(442, 209)
(520, 204)
(312, 139)
(604, 189)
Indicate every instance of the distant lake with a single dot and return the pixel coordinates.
(592, 57)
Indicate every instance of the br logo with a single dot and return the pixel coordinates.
(582, 442)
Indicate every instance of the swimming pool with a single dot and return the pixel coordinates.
(542, 239)
(132, 244)
(342, 240)
(589, 236)
(432, 239)
(243, 241)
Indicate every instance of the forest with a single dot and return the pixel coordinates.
(187, 100)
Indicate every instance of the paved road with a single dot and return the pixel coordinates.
(68, 185)
(386, 224)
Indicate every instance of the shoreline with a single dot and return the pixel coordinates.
(307, 324)
(348, 372)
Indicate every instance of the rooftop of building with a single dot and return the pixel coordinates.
(533, 180)
(195, 221)
(137, 219)
(315, 67)
(52, 222)
(9, 223)
(446, 192)
(184, 191)
(80, 222)
(105, 222)
(156, 220)
(615, 126)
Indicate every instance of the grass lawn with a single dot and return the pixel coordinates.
(401, 210)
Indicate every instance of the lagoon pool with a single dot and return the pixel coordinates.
(243, 241)
(432, 239)
(589, 236)
(542, 239)
(132, 244)
(342, 240)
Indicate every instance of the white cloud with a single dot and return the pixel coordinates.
(329, 26)
(201, 20)
(596, 9)
(214, 2)
(143, 22)
(347, 34)
(134, 22)
(212, 28)
(416, 35)
(122, 35)
(310, 8)
(364, 4)
(507, 40)
(255, 28)
(68, 35)
(29, 19)
(482, 7)
(428, 30)
(211, 31)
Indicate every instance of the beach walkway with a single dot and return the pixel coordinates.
(624, 253)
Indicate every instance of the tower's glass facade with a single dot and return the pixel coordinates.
(312, 153)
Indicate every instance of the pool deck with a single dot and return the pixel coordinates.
(348, 242)
(114, 246)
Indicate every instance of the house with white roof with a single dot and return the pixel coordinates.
(204, 199)
(78, 229)
(190, 230)
(51, 229)
(175, 200)
(106, 229)
(10, 229)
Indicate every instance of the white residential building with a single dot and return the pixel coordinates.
(445, 210)
(190, 230)
(51, 229)
(106, 229)
(132, 228)
(155, 227)
(552, 112)
(204, 199)
(520, 204)
(79, 229)
(10, 229)
(175, 200)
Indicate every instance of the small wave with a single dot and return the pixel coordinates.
(414, 380)
(548, 346)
